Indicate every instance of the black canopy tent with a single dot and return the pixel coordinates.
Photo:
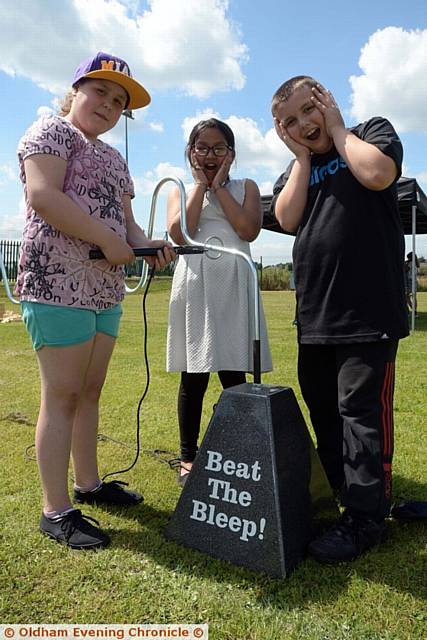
(412, 203)
(412, 206)
(413, 211)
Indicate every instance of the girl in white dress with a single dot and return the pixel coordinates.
(211, 324)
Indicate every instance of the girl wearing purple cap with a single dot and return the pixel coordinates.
(78, 195)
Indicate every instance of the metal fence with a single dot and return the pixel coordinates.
(10, 251)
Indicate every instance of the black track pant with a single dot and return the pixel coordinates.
(190, 401)
(348, 390)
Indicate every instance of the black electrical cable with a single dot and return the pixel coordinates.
(147, 384)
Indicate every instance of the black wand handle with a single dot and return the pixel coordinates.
(150, 251)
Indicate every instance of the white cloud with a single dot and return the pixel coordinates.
(255, 151)
(272, 247)
(116, 136)
(266, 187)
(168, 46)
(393, 83)
(422, 177)
(11, 227)
(191, 121)
(145, 184)
(144, 190)
(138, 122)
(7, 173)
(157, 127)
(44, 110)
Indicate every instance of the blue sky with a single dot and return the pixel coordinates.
(202, 57)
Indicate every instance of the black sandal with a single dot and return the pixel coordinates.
(182, 477)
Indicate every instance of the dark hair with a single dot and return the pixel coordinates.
(212, 123)
(288, 88)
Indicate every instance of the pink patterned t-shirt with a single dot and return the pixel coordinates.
(55, 268)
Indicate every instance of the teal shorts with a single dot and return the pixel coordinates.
(53, 326)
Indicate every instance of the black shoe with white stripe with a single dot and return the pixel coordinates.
(75, 530)
(110, 493)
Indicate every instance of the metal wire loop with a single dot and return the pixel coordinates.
(211, 253)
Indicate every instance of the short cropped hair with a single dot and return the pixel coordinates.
(288, 88)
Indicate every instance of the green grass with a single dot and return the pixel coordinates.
(142, 578)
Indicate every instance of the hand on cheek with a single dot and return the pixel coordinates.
(226, 164)
(298, 149)
(223, 171)
(199, 175)
(325, 103)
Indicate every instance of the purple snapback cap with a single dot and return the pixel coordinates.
(107, 67)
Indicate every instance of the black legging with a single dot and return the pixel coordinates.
(190, 401)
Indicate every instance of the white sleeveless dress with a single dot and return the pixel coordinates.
(211, 312)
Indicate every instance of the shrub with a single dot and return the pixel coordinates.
(274, 279)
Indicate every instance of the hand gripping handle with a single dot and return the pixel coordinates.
(150, 251)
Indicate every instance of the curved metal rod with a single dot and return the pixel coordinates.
(6, 281)
(180, 185)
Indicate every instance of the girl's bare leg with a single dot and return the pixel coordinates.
(85, 428)
(62, 372)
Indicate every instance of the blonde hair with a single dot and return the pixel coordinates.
(66, 102)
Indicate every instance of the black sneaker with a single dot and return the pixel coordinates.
(111, 493)
(347, 539)
(74, 530)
